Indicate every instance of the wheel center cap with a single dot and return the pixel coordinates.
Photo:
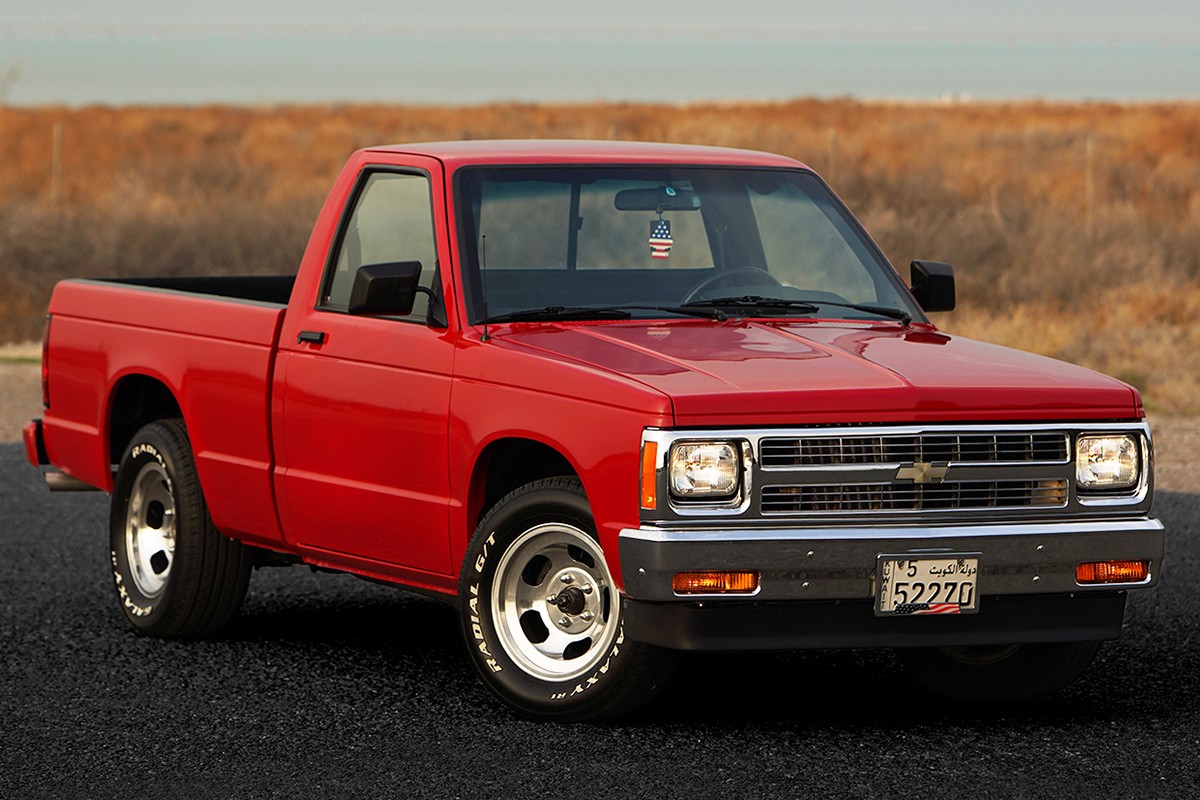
(570, 601)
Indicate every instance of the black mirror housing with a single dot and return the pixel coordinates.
(385, 290)
(933, 285)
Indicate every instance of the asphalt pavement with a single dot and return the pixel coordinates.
(328, 686)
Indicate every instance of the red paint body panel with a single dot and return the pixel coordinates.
(215, 358)
(359, 453)
(593, 417)
(29, 435)
(454, 155)
(787, 373)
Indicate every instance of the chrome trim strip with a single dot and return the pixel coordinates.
(883, 533)
(748, 507)
(1100, 500)
(770, 439)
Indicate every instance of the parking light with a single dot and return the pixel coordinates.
(1112, 572)
(649, 475)
(715, 582)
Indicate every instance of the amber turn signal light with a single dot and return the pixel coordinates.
(649, 475)
(1112, 572)
(715, 582)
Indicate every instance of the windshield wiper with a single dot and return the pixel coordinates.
(597, 312)
(754, 301)
(804, 306)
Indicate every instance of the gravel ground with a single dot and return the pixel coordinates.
(20, 388)
(327, 686)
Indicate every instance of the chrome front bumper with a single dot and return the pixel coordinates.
(799, 564)
(818, 583)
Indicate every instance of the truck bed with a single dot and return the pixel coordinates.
(205, 344)
(275, 289)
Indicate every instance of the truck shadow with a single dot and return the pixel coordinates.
(351, 631)
(849, 689)
(342, 622)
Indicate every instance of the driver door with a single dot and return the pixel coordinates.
(365, 400)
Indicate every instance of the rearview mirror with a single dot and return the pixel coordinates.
(662, 198)
(933, 285)
(385, 290)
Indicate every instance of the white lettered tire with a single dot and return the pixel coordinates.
(542, 615)
(175, 574)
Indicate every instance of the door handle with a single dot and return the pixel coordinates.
(312, 337)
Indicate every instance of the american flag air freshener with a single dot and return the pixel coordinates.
(660, 239)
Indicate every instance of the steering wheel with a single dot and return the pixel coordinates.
(760, 278)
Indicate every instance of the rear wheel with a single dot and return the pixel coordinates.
(542, 615)
(175, 574)
(1000, 673)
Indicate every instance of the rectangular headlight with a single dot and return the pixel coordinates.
(705, 470)
(1107, 462)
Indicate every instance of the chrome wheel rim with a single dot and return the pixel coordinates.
(150, 530)
(553, 602)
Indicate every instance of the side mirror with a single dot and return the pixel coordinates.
(933, 285)
(385, 290)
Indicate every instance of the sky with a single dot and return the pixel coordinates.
(467, 51)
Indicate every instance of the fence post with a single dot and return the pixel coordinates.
(832, 177)
(56, 166)
(1089, 192)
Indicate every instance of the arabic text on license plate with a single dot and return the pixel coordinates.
(942, 585)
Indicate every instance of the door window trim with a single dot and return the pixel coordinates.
(351, 206)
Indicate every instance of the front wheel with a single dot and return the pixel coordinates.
(999, 673)
(542, 615)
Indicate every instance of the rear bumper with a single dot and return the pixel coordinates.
(35, 454)
(35, 444)
(818, 584)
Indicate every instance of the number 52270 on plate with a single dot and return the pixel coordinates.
(945, 584)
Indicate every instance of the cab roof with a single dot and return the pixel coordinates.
(582, 151)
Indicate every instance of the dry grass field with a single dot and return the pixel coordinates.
(1075, 228)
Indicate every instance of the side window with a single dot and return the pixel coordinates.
(392, 221)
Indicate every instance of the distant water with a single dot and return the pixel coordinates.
(192, 70)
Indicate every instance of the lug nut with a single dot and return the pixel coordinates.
(552, 599)
(567, 579)
(587, 589)
(586, 616)
(564, 623)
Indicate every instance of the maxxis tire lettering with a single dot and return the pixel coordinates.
(123, 593)
(174, 573)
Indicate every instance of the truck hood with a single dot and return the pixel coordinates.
(772, 372)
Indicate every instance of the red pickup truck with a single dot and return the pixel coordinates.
(616, 401)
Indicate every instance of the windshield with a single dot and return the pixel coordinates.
(538, 238)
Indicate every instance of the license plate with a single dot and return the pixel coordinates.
(943, 585)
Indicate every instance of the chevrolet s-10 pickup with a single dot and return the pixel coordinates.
(616, 401)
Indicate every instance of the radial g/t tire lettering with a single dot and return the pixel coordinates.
(542, 616)
(175, 574)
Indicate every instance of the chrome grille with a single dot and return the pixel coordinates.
(959, 448)
(961, 495)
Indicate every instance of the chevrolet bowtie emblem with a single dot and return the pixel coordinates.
(922, 472)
